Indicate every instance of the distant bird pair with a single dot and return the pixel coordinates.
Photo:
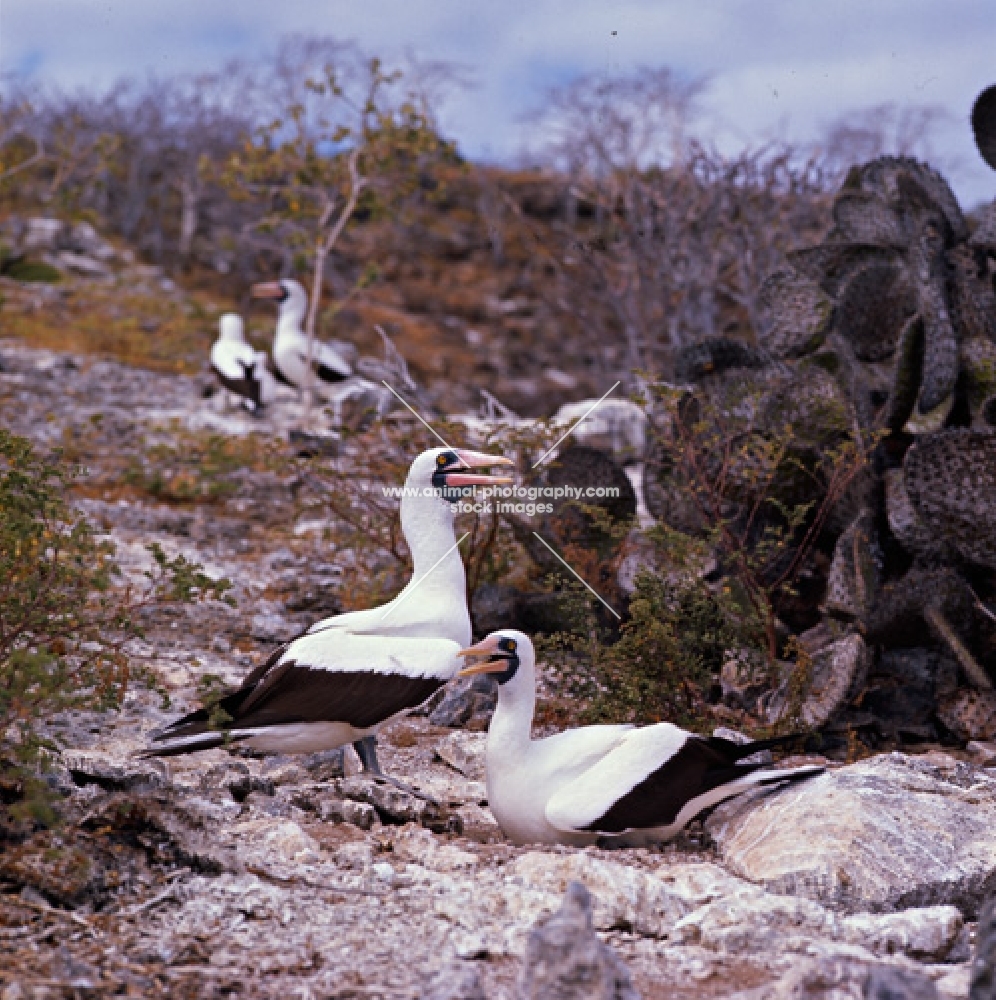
(244, 371)
(349, 675)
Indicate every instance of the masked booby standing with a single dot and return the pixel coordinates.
(349, 674)
(631, 785)
(240, 368)
(290, 343)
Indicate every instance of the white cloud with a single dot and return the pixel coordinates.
(784, 65)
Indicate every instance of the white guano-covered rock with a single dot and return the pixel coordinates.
(753, 921)
(276, 840)
(924, 932)
(623, 897)
(887, 833)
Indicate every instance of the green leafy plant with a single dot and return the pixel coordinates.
(759, 494)
(196, 467)
(65, 614)
(664, 659)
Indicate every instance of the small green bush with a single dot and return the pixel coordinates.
(196, 467)
(64, 617)
(665, 660)
(21, 269)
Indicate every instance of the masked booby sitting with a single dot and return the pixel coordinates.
(240, 368)
(618, 783)
(290, 343)
(349, 674)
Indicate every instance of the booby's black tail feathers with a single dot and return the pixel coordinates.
(734, 752)
(169, 746)
(195, 731)
(761, 777)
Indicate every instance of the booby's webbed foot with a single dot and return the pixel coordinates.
(366, 750)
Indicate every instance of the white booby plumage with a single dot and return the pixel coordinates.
(240, 368)
(349, 674)
(290, 343)
(633, 785)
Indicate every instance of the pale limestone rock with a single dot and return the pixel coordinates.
(455, 981)
(623, 896)
(953, 982)
(565, 959)
(753, 921)
(465, 753)
(842, 977)
(450, 787)
(479, 822)
(281, 838)
(889, 832)
(924, 932)
(357, 855)
(360, 814)
(700, 882)
(984, 963)
(82, 264)
(113, 771)
(415, 843)
(500, 914)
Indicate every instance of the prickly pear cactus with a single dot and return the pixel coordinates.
(984, 124)
(794, 314)
(884, 335)
(950, 478)
(904, 285)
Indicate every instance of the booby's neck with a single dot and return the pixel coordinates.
(512, 722)
(427, 523)
(290, 318)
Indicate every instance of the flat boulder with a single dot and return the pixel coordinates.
(887, 833)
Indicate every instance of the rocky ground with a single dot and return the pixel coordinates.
(221, 874)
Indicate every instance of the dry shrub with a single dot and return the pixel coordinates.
(64, 620)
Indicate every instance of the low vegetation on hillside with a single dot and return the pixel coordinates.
(621, 250)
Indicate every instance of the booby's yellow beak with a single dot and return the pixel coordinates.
(477, 460)
(489, 648)
(268, 290)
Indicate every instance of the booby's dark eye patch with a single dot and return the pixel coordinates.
(508, 653)
(444, 461)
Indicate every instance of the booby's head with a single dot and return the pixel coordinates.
(287, 293)
(502, 654)
(231, 328)
(449, 472)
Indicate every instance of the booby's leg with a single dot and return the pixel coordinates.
(366, 750)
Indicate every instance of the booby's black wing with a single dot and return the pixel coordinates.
(288, 689)
(281, 377)
(327, 373)
(248, 386)
(295, 692)
(690, 772)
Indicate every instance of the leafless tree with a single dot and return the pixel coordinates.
(22, 144)
(884, 129)
(662, 241)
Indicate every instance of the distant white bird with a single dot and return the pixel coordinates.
(632, 785)
(350, 674)
(240, 368)
(290, 343)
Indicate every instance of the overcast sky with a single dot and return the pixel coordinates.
(776, 69)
